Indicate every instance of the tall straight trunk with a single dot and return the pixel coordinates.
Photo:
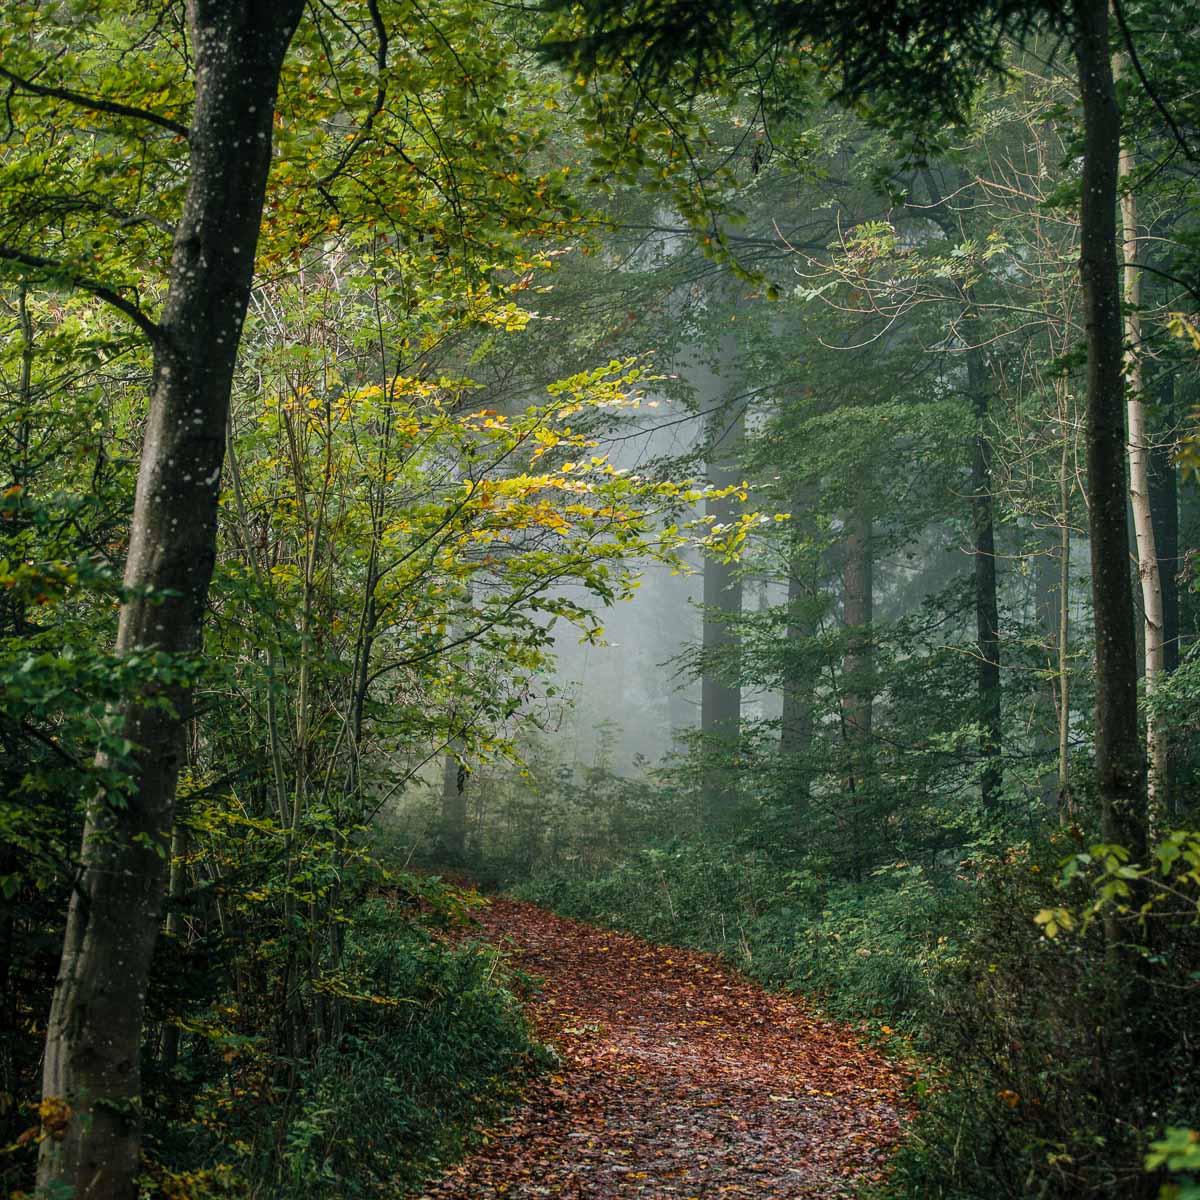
(1164, 507)
(796, 723)
(94, 1032)
(1164, 511)
(1139, 483)
(858, 670)
(1120, 764)
(721, 699)
(987, 609)
(1188, 501)
(1046, 582)
(983, 535)
(1066, 803)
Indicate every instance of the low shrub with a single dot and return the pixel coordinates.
(427, 1040)
(434, 1044)
(874, 948)
(1057, 1063)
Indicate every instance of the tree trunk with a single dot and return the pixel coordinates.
(720, 699)
(1066, 801)
(1188, 499)
(1047, 583)
(796, 723)
(987, 611)
(1164, 511)
(1120, 766)
(94, 1033)
(1139, 485)
(858, 602)
(1164, 508)
(454, 811)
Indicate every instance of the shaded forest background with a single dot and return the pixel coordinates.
(665, 489)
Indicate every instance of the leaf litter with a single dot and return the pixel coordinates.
(678, 1077)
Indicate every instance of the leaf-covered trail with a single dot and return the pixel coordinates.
(679, 1078)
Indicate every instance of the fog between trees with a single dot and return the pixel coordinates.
(724, 474)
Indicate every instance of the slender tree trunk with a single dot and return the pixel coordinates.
(1164, 506)
(1062, 676)
(1139, 484)
(858, 671)
(1046, 613)
(1164, 511)
(858, 675)
(454, 811)
(987, 609)
(1189, 547)
(720, 699)
(796, 723)
(1120, 764)
(1066, 803)
(94, 1032)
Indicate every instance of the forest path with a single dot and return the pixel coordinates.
(679, 1078)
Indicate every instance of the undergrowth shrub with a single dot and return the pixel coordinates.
(427, 1040)
(1054, 1067)
(436, 1044)
(881, 948)
(872, 948)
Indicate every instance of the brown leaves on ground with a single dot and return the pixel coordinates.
(679, 1078)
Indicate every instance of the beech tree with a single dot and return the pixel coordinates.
(94, 1035)
(139, 175)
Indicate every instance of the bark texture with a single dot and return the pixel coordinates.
(1139, 482)
(1120, 765)
(95, 1028)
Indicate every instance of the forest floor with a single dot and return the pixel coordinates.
(678, 1078)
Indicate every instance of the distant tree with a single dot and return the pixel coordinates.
(913, 63)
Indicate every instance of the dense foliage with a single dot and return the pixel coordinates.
(357, 361)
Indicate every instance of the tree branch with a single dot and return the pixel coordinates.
(101, 291)
(364, 130)
(95, 103)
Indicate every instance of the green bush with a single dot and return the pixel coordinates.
(427, 1040)
(1057, 1064)
(435, 1044)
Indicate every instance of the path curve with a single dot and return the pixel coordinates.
(680, 1078)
